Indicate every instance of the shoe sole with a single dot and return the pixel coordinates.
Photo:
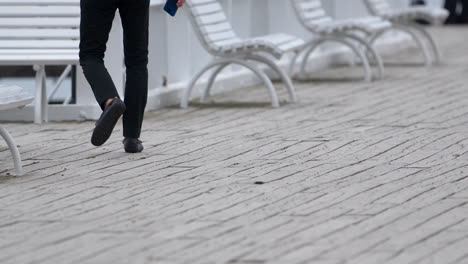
(106, 124)
(133, 150)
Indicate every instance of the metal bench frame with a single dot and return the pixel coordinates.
(217, 37)
(15, 98)
(403, 20)
(354, 33)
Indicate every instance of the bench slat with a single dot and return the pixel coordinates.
(39, 44)
(62, 59)
(36, 22)
(37, 51)
(39, 2)
(39, 33)
(40, 11)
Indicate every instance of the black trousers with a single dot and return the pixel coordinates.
(96, 23)
(455, 16)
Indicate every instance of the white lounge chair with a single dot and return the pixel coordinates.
(403, 20)
(354, 33)
(217, 36)
(40, 33)
(13, 97)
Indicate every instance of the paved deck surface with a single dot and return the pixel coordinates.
(354, 173)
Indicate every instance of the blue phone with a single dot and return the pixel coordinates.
(171, 7)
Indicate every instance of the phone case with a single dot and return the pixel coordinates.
(171, 7)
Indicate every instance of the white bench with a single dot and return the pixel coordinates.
(354, 33)
(13, 97)
(218, 38)
(40, 33)
(404, 20)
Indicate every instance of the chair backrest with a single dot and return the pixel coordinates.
(377, 7)
(311, 13)
(39, 24)
(211, 24)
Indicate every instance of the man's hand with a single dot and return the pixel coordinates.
(180, 3)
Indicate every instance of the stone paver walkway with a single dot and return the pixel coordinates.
(353, 173)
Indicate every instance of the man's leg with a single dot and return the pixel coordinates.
(135, 20)
(418, 2)
(451, 6)
(464, 13)
(96, 23)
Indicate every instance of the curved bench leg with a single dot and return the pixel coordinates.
(211, 81)
(283, 75)
(251, 66)
(266, 80)
(40, 100)
(372, 51)
(413, 35)
(14, 151)
(357, 52)
(292, 64)
(188, 91)
(308, 50)
(435, 48)
(365, 63)
(45, 99)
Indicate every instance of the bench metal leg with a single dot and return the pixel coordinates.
(313, 45)
(211, 81)
(309, 48)
(283, 75)
(40, 101)
(188, 91)
(266, 80)
(44, 101)
(259, 58)
(371, 51)
(435, 48)
(416, 38)
(251, 66)
(38, 97)
(14, 151)
(292, 64)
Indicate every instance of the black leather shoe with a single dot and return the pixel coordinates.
(133, 145)
(106, 123)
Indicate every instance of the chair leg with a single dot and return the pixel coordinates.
(14, 151)
(406, 29)
(372, 51)
(188, 91)
(341, 40)
(365, 63)
(211, 81)
(310, 48)
(266, 80)
(41, 100)
(283, 75)
(251, 66)
(292, 64)
(435, 48)
(38, 115)
(44, 97)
